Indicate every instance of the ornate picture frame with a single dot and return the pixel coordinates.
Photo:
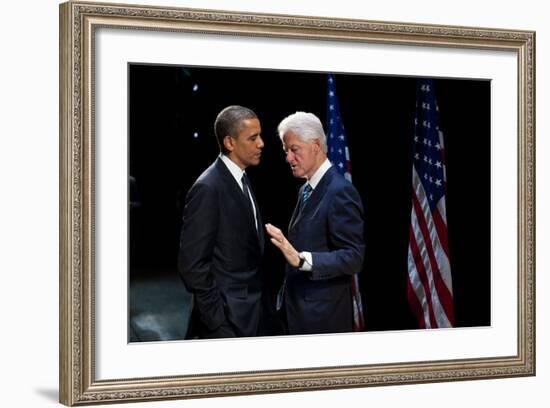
(79, 25)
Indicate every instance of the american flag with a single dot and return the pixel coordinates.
(429, 283)
(338, 154)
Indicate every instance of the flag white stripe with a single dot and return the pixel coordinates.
(442, 208)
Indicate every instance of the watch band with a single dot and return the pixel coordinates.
(302, 260)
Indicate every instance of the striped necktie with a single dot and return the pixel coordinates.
(306, 192)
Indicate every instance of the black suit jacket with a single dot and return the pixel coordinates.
(330, 226)
(220, 253)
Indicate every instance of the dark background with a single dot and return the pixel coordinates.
(172, 141)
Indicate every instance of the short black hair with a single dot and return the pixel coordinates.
(229, 123)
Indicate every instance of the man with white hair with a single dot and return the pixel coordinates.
(325, 244)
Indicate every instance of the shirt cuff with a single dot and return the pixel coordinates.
(308, 263)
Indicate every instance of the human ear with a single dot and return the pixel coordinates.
(317, 144)
(228, 143)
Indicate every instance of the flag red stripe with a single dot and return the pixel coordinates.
(421, 271)
(445, 297)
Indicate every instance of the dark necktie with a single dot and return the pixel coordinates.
(306, 192)
(246, 189)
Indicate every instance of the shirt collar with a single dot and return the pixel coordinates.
(235, 170)
(318, 175)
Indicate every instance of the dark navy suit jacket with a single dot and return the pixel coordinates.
(220, 253)
(330, 226)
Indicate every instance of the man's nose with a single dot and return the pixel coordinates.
(288, 157)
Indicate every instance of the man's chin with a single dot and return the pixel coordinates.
(297, 173)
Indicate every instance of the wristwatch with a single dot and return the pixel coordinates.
(302, 260)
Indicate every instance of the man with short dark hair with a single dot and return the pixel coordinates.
(221, 242)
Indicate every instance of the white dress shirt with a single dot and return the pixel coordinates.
(313, 181)
(237, 174)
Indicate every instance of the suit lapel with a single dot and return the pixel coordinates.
(260, 224)
(229, 181)
(234, 189)
(315, 198)
(294, 217)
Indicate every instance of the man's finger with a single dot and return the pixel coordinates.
(276, 242)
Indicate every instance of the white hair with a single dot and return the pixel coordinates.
(306, 126)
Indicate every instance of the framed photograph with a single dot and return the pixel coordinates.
(433, 126)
